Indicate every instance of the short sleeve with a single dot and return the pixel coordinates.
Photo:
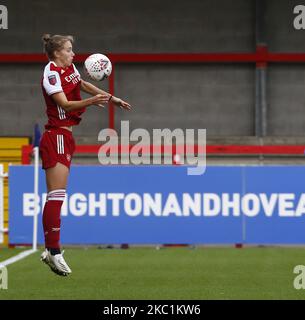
(52, 82)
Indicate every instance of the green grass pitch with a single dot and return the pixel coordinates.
(168, 273)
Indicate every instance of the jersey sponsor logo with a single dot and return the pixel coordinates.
(74, 78)
(52, 79)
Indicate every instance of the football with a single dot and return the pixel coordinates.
(98, 67)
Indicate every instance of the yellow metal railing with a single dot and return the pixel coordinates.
(10, 153)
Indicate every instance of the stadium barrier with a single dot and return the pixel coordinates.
(263, 150)
(220, 150)
(162, 204)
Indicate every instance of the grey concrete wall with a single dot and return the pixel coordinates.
(218, 97)
(132, 25)
(164, 96)
(285, 82)
(286, 100)
(280, 33)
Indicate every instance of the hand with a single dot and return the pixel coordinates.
(100, 99)
(125, 105)
(121, 103)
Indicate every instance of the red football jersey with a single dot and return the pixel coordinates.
(66, 80)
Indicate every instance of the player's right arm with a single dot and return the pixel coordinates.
(62, 101)
(52, 86)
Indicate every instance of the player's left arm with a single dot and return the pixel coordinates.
(93, 90)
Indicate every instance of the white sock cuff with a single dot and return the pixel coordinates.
(58, 195)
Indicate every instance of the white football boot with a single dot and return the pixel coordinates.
(57, 263)
(45, 257)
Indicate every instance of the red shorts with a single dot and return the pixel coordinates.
(56, 145)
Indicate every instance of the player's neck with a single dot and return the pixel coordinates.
(59, 64)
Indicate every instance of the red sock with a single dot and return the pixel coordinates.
(51, 218)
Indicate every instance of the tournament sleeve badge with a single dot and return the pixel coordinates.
(52, 79)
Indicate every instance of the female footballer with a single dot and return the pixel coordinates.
(61, 86)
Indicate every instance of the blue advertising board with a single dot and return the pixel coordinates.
(162, 204)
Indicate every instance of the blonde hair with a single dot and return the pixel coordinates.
(54, 43)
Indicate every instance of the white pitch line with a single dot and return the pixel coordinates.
(17, 257)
